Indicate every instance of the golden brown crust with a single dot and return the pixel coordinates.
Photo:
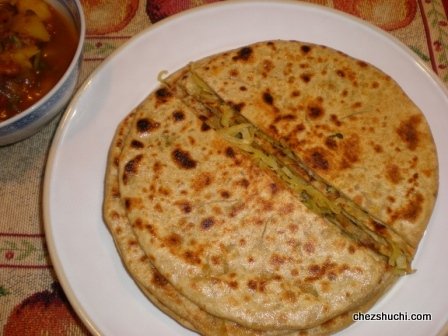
(255, 257)
(347, 120)
(153, 284)
(217, 241)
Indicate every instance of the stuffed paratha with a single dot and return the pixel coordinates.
(155, 286)
(226, 233)
(348, 121)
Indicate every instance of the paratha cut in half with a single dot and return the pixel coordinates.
(270, 190)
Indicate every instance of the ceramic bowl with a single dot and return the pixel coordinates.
(29, 121)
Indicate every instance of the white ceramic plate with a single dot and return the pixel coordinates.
(82, 249)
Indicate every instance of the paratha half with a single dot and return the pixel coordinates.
(349, 122)
(235, 243)
(156, 287)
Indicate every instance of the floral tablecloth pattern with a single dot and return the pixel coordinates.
(31, 299)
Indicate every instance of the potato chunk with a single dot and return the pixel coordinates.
(29, 24)
(39, 7)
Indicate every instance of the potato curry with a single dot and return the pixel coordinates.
(37, 44)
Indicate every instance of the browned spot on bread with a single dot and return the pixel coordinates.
(127, 203)
(267, 98)
(230, 152)
(157, 167)
(286, 209)
(356, 105)
(185, 206)
(236, 209)
(362, 64)
(277, 260)
(158, 279)
(178, 115)
(243, 182)
(137, 144)
(233, 72)
(316, 158)
(266, 205)
(274, 188)
(225, 194)
(233, 284)
(315, 109)
(393, 173)
(331, 141)
(207, 223)
(351, 249)
(237, 106)
(309, 247)
(411, 210)
(350, 150)
(158, 208)
(173, 240)
(340, 73)
(243, 54)
(408, 132)
(138, 224)
(378, 148)
(152, 231)
(295, 93)
(258, 285)
(115, 192)
(305, 49)
(289, 296)
(131, 168)
(202, 181)
(205, 127)
(146, 125)
(319, 271)
(380, 228)
(163, 95)
(191, 257)
(216, 260)
(132, 243)
(325, 286)
(183, 159)
(334, 119)
(287, 117)
(306, 77)
(293, 228)
(115, 215)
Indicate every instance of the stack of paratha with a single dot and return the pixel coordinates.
(275, 189)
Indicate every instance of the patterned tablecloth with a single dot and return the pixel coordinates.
(31, 299)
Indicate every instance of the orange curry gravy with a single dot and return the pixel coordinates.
(22, 86)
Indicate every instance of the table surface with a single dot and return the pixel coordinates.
(31, 299)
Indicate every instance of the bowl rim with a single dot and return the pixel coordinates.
(61, 81)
